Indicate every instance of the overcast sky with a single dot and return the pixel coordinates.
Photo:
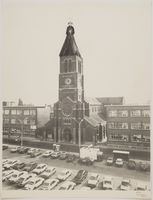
(114, 39)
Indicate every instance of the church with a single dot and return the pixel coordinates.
(77, 120)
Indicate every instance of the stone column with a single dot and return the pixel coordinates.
(59, 134)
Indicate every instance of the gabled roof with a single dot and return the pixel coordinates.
(111, 100)
(69, 47)
(92, 101)
(94, 120)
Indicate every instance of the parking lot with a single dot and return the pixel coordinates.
(117, 174)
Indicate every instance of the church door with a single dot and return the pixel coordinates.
(67, 136)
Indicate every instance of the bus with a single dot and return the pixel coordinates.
(121, 154)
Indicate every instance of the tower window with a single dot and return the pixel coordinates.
(69, 66)
(65, 66)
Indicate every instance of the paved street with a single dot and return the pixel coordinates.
(99, 167)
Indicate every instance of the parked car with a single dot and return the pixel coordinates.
(93, 180)
(10, 164)
(7, 174)
(5, 146)
(144, 166)
(31, 150)
(131, 164)
(14, 149)
(19, 165)
(34, 183)
(30, 166)
(64, 174)
(35, 153)
(55, 154)
(80, 176)
(141, 187)
(47, 154)
(15, 176)
(39, 169)
(68, 185)
(63, 156)
(48, 172)
(107, 183)
(49, 184)
(109, 161)
(70, 158)
(119, 162)
(24, 179)
(23, 150)
(125, 185)
(85, 161)
(4, 161)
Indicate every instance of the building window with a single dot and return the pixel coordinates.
(118, 137)
(122, 126)
(26, 112)
(32, 112)
(79, 67)
(13, 121)
(136, 126)
(6, 112)
(65, 66)
(112, 113)
(67, 121)
(26, 121)
(6, 121)
(135, 113)
(145, 126)
(122, 113)
(69, 66)
(146, 113)
(111, 125)
(19, 112)
(13, 112)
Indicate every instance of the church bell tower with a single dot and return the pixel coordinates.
(69, 110)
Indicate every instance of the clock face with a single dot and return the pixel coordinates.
(68, 81)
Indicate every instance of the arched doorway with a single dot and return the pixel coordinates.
(67, 135)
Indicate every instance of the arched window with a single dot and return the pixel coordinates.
(65, 66)
(69, 66)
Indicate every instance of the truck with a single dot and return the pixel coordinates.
(89, 154)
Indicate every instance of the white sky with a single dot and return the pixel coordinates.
(114, 39)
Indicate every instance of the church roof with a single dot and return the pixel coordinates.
(94, 120)
(92, 101)
(69, 47)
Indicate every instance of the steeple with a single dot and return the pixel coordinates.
(69, 47)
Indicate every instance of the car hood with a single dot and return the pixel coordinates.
(107, 185)
(92, 182)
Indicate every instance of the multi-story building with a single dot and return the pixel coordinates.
(24, 118)
(128, 125)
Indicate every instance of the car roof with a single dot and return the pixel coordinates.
(50, 180)
(41, 164)
(68, 183)
(126, 180)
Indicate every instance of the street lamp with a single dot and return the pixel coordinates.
(79, 131)
(22, 128)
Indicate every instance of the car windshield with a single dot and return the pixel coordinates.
(52, 183)
(9, 162)
(93, 177)
(125, 183)
(21, 179)
(107, 182)
(46, 184)
(31, 183)
(62, 188)
(39, 167)
(110, 159)
(14, 175)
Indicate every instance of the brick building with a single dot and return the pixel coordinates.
(23, 118)
(128, 125)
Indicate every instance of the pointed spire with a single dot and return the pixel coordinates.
(69, 47)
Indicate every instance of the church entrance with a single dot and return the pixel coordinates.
(67, 135)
